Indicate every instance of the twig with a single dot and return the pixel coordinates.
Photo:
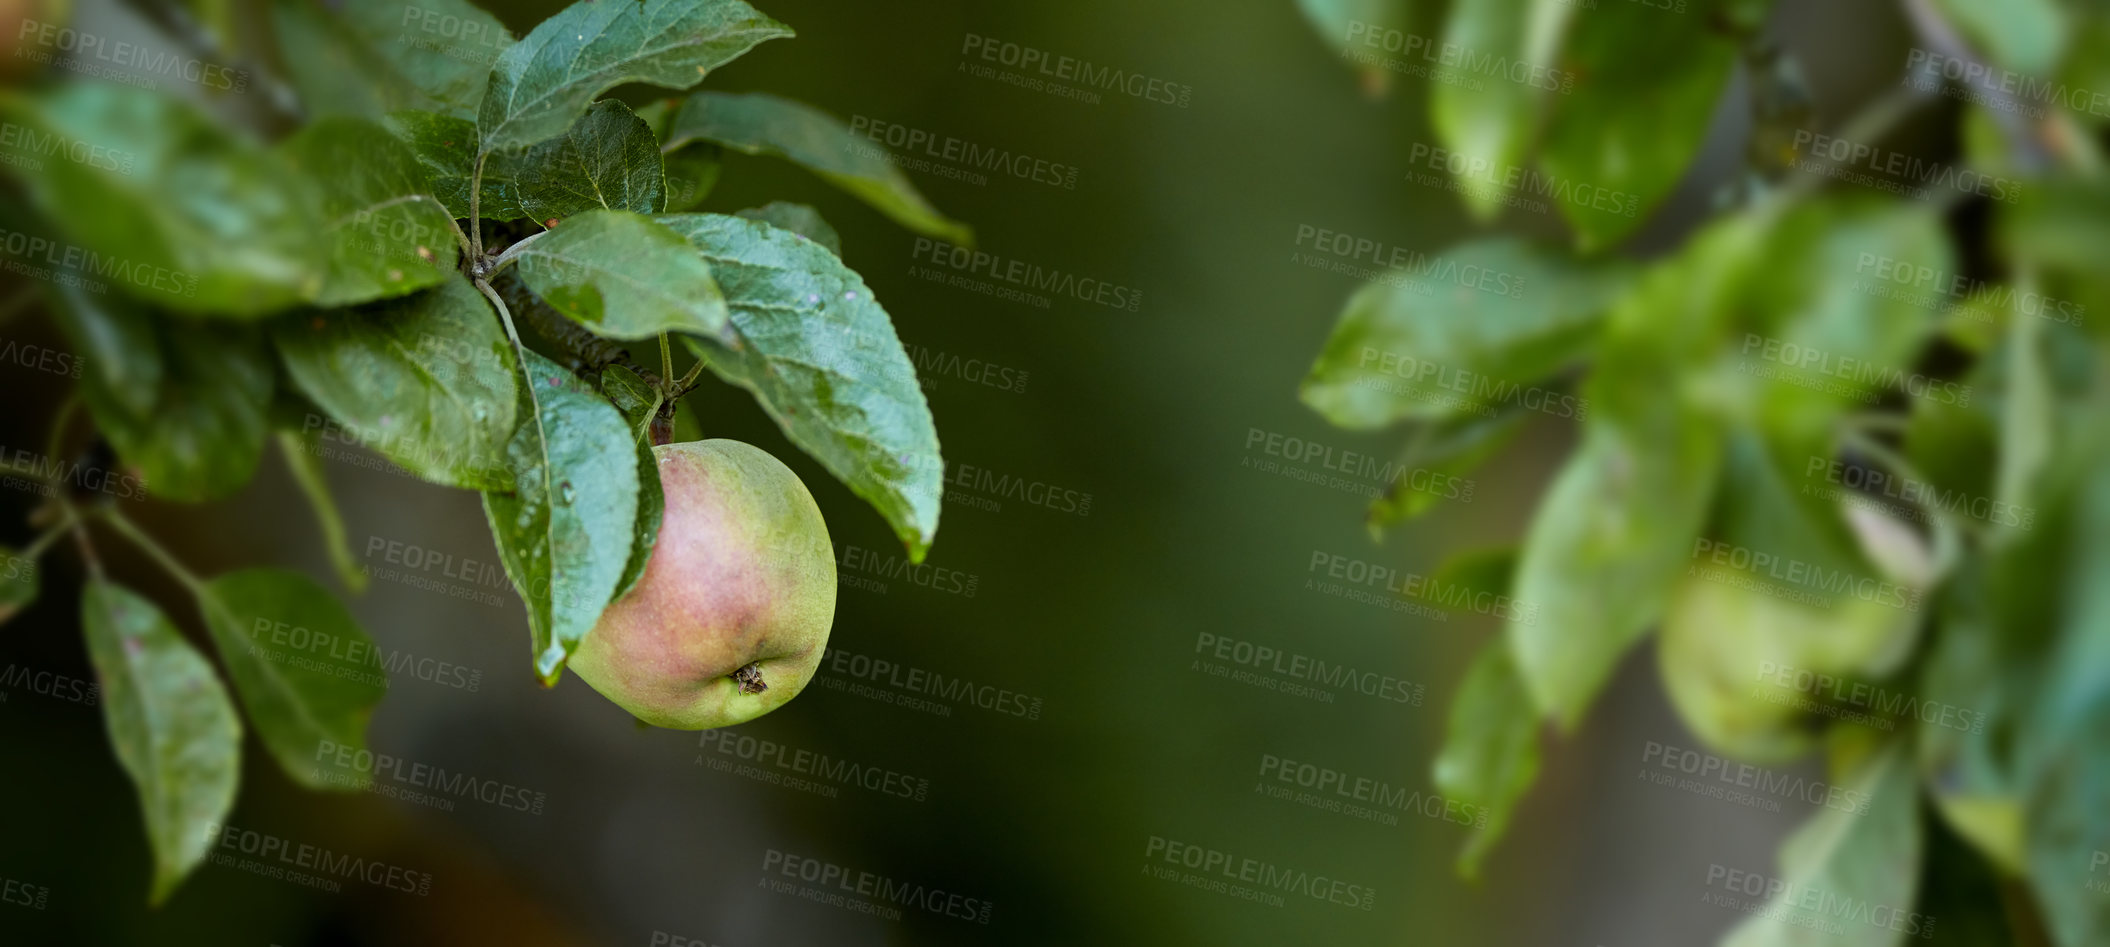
(154, 551)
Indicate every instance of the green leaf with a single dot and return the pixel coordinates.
(640, 404)
(1966, 756)
(1492, 121)
(1491, 318)
(120, 347)
(18, 583)
(1488, 570)
(375, 56)
(305, 670)
(2026, 36)
(178, 212)
(1446, 449)
(1608, 541)
(1490, 753)
(1622, 140)
(2026, 418)
(1726, 624)
(201, 431)
(800, 219)
(307, 472)
(446, 147)
(386, 233)
(2064, 734)
(427, 380)
(821, 357)
(609, 159)
(541, 83)
(623, 276)
(170, 722)
(1849, 863)
(761, 124)
(638, 401)
(568, 530)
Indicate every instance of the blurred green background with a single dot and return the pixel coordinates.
(1097, 616)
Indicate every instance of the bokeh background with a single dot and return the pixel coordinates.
(1095, 618)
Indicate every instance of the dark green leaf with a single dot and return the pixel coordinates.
(1620, 142)
(307, 472)
(1468, 338)
(569, 529)
(201, 433)
(175, 733)
(1841, 858)
(446, 147)
(762, 124)
(691, 174)
(371, 57)
(800, 219)
(623, 276)
(306, 672)
(1490, 753)
(609, 159)
(540, 84)
(2026, 36)
(639, 403)
(386, 233)
(177, 212)
(427, 380)
(819, 353)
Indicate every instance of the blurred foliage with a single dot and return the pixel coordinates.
(1842, 456)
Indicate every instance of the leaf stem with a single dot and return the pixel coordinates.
(508, 255)
(125, 527)
(476, 229)
(666, 358)
(67, 519)
(56, 440)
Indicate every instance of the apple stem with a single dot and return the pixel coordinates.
(750, 678)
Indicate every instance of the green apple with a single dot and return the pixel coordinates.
(731, 617)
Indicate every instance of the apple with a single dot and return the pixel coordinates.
(731, 617)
